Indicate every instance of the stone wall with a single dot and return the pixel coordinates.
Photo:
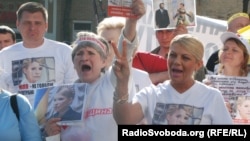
(219, 9)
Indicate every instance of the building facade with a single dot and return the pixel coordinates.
(67, 17)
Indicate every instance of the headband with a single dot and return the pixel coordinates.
(93, 40)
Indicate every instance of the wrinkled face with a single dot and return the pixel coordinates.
(111, 35)
(232, 55)
(88, 64)
(178, 117)
(33, 72)
(61, 102)
(32, 27)
(6, 40)
(181, 64)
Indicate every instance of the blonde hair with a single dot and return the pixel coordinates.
(191, 44)
(237, 15)
(241, 99)
(28, 61)
(174, 107)
(110, 23)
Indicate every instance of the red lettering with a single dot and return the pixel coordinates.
(93, 112)
(23, 86)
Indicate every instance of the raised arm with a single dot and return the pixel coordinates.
(129, 30)
(129, 33)
(125, 112)
(138, 9)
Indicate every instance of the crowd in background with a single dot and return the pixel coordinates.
(167, 85)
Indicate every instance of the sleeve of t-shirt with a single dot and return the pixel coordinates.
(29, 127)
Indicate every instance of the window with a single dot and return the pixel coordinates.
(81, 26)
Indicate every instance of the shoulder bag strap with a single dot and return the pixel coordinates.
(14, 105)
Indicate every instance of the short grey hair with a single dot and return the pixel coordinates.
(89, 39)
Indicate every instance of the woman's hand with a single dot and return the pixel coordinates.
(121, 65)
(180, 29)
(51, 128)
(138, 8)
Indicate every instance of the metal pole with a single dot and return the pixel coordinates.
(96, 12)
(245, 6)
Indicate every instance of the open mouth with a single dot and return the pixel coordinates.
(86, 68)
(177, 70)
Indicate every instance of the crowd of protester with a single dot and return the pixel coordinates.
(124, 86)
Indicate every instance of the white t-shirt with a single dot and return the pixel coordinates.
(140, 78)
(56, 67)
(205, 104)
(98, 123)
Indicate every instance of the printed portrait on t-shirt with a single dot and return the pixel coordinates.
(173, 114)
(33, 71)
(29, 74)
